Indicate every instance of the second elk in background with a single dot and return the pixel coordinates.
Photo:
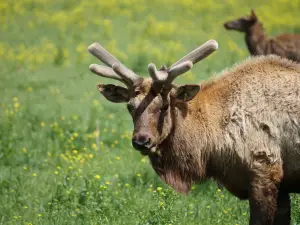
(258, 43)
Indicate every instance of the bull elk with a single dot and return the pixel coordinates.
(258, 43)
(241, 128)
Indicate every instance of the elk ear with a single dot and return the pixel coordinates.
(186, 93)
(114, 93)
(253, 15)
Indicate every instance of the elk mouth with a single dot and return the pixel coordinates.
(155, 151)
(150, 151)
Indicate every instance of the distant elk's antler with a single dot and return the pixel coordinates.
(167, 75)
(114, 69)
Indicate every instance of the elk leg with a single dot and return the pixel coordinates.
(283, 213)
(266, 177)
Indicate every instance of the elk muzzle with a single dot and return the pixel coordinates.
(231, 25)
(142, 142)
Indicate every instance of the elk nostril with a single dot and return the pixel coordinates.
(136, 144)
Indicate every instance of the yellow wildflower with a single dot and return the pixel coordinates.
(16, 105)
(143, 160)
(95, 102)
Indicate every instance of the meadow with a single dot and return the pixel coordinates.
(65, 152)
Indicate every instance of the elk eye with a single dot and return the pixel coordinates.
(137, 92)
(165, 107)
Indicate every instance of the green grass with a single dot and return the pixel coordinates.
(65, 152)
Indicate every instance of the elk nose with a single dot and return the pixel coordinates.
(226, 25)
(141, 141)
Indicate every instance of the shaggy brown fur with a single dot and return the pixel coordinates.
(258, 43)
(242, 128)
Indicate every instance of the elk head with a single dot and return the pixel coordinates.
(242, 24)
(150, 101)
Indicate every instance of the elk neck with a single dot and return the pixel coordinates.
(193, 136)
(256, 39)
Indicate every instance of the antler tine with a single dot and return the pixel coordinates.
(159, 76)
(105, 71)
(123, 71)
(104, 56)
(177, 70)
(120, 71)
(199, 53)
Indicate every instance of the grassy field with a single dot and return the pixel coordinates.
(65, 152)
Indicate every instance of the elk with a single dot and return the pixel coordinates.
(241, 128)
(258, 43)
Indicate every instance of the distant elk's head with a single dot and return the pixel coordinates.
(242, 24)
(150, 101)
